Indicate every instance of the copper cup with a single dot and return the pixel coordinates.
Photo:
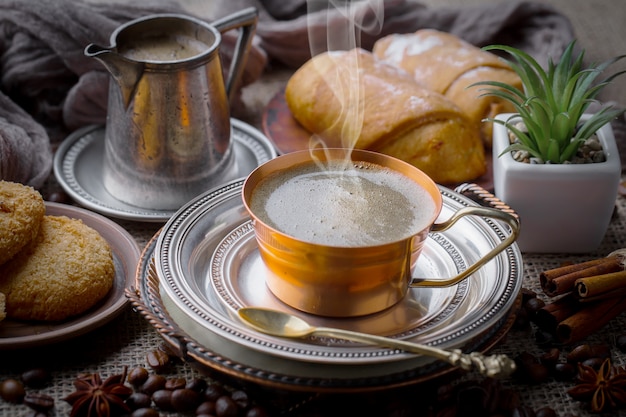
(353, 281)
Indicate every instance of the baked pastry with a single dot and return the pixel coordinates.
(351, 99)
(21, 211)
(63, 272)
(449, 65)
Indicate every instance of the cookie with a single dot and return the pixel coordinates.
(62, 273)
(21, 211)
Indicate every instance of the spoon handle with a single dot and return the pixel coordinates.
(493, 366)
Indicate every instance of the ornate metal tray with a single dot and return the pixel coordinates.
(195, 306)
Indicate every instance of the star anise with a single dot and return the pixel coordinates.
(604, 389)
(95, 398)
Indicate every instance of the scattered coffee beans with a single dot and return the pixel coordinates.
(12, 391)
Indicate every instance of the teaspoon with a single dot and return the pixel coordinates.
(281, 324)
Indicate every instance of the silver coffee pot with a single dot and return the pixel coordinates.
(168, 130)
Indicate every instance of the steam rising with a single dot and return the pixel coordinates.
(344, 34)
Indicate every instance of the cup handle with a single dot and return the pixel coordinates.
(245, 19)
(508, 218)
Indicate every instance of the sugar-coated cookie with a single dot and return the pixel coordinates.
(63, 272)
(21, 211)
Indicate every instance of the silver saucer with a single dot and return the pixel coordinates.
(78, 169)
(208, 266)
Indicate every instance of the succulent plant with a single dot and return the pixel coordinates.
(552, 103)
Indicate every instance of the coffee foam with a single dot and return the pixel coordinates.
(162, 48)
(361, 205)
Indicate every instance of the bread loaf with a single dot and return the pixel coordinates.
(449, 65)
(351, 99)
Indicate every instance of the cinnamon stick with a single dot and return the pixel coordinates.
(597, 285)
(562, 280)
(609, 294)
(589, 319)
(553, 313)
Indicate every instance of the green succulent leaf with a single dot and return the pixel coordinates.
(553, 153)
(562, 127)
(595, 122)
(553, 101)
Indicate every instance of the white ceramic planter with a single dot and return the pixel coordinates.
(562, 208)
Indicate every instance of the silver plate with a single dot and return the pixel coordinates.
(187, 336)
(79, 159)
(208, 266)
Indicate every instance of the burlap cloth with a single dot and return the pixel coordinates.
(126, 340)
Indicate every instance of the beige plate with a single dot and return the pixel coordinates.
(18, 334)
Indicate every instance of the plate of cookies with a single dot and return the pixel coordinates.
(63, 269)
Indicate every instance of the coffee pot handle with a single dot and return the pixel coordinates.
(245, 20)
(510, 219)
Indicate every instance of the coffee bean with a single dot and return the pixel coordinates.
(213, 392)
(565, 371)
(167, 349)
(175, 383)
(145, 412)
(137, 376)
(527, 294)
(530, 369)
(257, 411)
(525, 358)
(533, 305)
(197, 384)
(185, 399)
(39, 402)
(550, 358)
(226, 407)
(579, 353)
(12, 391)
(138, 400)
(537, 373)
(162, 398)
(158, 360)
(241, 398)
(207, 407)
(153, 383)
(593, 363)
(35, 378)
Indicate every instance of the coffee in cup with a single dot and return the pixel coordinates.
(340, 231)
(326, 203)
